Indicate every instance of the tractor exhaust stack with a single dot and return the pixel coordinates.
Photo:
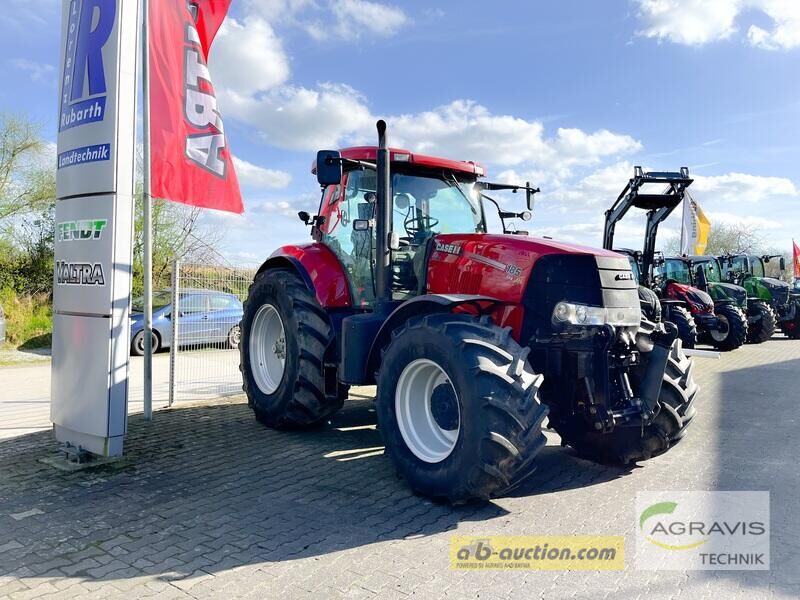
(383, 220)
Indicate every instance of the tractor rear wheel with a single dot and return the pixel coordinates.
(687, 328)
(284, 335)
(625, 445)
(458, 407)
(737, 328)
(763, 327)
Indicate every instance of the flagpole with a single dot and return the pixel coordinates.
(148, 221)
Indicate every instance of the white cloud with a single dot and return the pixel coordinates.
(688, 22)
(741, 187)
(299, 118)
(785, 33)
(253, 176)
(38, 72)
(248, 57)
(697, 22)
(466, 130)
(351, 19)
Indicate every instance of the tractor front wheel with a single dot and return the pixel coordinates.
(625, 445)
(736, 335)
(791, 329)
(458, 407)
(763, 326)
(687, 328)
(284, 335)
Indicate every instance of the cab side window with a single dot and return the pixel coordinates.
(341, 206)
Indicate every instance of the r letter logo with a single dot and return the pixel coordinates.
(83, 89)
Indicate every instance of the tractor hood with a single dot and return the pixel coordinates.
(538, 273)
(728, 291)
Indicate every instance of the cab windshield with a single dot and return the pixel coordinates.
(711, 269)
(677, 270)
(634, 268)
(758, 266)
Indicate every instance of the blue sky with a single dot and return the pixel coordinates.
(568, 94)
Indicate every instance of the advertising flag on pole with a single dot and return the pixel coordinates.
(796, 259)
(190, 159)
(695, 228)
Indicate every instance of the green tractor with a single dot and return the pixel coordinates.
(761, 319)
(748, 270)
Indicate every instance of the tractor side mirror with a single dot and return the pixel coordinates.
(329, 167)
(782, 264)
(361, 225)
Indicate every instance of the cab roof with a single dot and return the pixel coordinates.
(399, 155)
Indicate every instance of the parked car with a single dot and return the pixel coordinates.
(2, 326)
(206, 317)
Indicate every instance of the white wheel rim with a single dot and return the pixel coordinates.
(267, 349)
(426, 438)
(718, 336)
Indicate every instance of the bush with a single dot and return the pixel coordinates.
(29, 319)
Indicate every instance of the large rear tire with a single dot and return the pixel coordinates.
(284, 335)
(687, 328)
(625, 445)
(737, 328)
(763, 326)
(458, 407)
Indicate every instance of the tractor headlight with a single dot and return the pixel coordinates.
(579, 314)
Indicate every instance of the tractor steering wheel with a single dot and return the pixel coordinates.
(415, 225)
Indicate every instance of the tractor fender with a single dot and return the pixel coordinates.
(319, 268)
(417, 306)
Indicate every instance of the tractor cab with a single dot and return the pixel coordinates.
(750, 272)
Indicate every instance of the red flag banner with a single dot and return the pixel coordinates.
(190, 160)
(796, 259)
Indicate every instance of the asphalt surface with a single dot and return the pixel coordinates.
(208, 503)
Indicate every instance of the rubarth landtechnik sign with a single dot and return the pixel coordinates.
(94, 220)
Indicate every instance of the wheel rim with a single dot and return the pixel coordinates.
(267, 349)
(718, 336)
(235, 336)
(140, 342)
(428, 411)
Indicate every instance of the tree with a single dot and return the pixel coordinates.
(27, 183)
(724, 238)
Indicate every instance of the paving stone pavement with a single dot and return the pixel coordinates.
(207, 503)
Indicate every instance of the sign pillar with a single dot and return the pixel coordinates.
(94, 223)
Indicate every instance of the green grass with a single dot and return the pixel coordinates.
(29, 320)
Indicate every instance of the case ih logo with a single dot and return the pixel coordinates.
(83, 89)
(203, 148)
(624, 277)
(79, 273)
(72, 231)
(448, 248)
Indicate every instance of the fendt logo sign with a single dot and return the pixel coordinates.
(83, 90)
(87, 229)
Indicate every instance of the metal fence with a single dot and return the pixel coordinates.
(204, 338)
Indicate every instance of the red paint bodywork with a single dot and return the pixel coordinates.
(326, 272)
(680, 291)
(466, 270)
(369, 153)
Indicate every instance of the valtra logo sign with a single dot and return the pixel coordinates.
(83, 90)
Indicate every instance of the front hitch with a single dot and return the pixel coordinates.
(653, 377)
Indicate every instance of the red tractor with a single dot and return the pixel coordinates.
(472, 338)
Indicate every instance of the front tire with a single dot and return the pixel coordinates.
(458, 407)
(687, 328)
(625, 445)
(737, 328)
(763, 328)
(137, 344)
(284, 335)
